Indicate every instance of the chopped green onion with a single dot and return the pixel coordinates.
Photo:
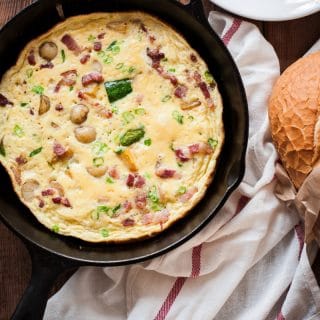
(91, 38)
(111, 45)
(116, 208)
(115, 109)
(118, 150)
(108, 59)
(182, 190)
(98, 162)
(166, 98)
(18, 131)
(38, 90)
(177, 116)
(119, 66)
(191, 118)
(35, 152)
(71, 88)
(29, 73)
(23, 104)
(140, 111)
(209, 78)
(63, 56)
(153, 194)
(127, 116)
(95, 215)
(172, 70)
(131, 69)
(99, 148)
(164, 60)
(212, 142)
(103, 209)
(115, 49)
(101, 54)
(180, 164)
(104, 233)
(109, 180)
(171, 146)
(132, 136)
(147, 175)
(55, 228)
(147, 142)
(118, 89)
(157, 206)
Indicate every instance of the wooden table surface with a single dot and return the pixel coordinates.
(290, 39)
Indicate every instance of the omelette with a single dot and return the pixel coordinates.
(110, 127)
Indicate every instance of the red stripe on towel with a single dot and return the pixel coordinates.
(280, 316)
(232, 30)
(196, 261)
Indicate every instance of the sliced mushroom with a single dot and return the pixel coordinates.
(129, 160)
(85, 134)
(79, 113)
(187, 105)
(44, 105)
(48, 50)
(97, 171)
(28, 189)
(118, 26)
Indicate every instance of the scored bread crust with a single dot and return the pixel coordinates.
(294, 109)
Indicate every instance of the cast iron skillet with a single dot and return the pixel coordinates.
(51, 253)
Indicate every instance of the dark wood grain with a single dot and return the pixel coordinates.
(290, 39)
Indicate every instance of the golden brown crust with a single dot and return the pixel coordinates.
(294, 117)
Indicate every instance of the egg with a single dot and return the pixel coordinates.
(110, 127)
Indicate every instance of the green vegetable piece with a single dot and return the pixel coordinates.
(71, 88)
(191, 118)
(114, 47)
(132, 136)
(147, 175)
(101, 54)
(118, 150)
(209, 78)
(180, 164)
(172, 70)
(29, 73)
(35, 152)
(127, 116)
(108, 59)
(99, 148)
(116, 208)
(177, 116)
(109, 180)
(212, 142)
(38, 90)
(105, 233)
(2, 149)
(103, 209)
(118, 89)
(23, 104)
(111, 45)
(166, 98)
(157, 206)
(115, 109)
(91, 38)
(140, 111)
(18, 131)
(55, 228)
(119, 66)
(63, 56)
(148, 142)
(131, 69)
(95, 215)
(153, 194)
(98, 162)
(182, 190)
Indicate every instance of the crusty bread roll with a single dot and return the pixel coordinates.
(294, 112)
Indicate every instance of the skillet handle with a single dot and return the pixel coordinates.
(45, 269)
(195, 8)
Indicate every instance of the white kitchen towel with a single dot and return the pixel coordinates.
(242, 264)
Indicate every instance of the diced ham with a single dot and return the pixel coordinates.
(41, 203)
(188, 195)
(152, 39)
(21, 160)
(48, 192)
(183, 154)
(69, 78)
(127, 206)
(48, 65)
(4, 101)
(143, 28)
(139, 98)
(59, 150)
(197, 77)
(56, 200)
(167, 173)
(139, 181)
(93, 77)
(147, 218)
(101, 35)
(113, 172)
(31, 58)
(59, 107)
(66, 202)
(156, 56)
(161, 216)
(173, 79)
(84, 59)
(204, 88)
(81, 95)
(194, 148)
(141, 201)
(128, 222)
(71, 44)
(97, 46)
(181, 91)
(130, 180)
